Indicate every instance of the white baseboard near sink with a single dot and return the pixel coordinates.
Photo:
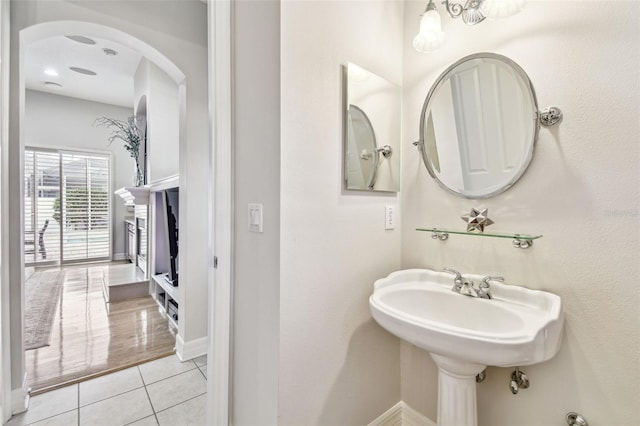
(402, 414)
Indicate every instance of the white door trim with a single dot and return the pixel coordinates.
(220, 100)
(5, 354)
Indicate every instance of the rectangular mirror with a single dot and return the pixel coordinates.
(371, 129)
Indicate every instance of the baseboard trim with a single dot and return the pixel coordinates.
(391, 417)
(191, 349)
(402, 414)
(411, 417)
(20, 398)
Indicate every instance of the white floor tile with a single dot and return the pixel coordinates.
(163, 368)
(203, 369)
(70, 418)
(176, 389)
(147, 421)
(110, 385)
(192, 412)
(119, 410)
(201, 360)
(47, 405)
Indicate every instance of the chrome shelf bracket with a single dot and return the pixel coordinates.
(439, 235)
(522, 243)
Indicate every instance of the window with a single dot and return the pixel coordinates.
(67, 206)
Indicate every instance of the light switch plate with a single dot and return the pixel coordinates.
(389, 217)
(255, 217)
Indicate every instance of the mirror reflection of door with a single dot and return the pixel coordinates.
(489, 111)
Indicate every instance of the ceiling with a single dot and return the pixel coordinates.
(113, 79)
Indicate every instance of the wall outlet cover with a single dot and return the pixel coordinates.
(390, 217)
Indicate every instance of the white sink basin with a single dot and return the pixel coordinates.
(517, 327)
(465, 334)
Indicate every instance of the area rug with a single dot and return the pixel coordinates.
(42, 295)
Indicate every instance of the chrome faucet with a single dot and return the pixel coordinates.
(461, 284)
(467, 287)
(484, 288)
(457, 281)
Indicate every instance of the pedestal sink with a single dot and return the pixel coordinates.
(464, 334)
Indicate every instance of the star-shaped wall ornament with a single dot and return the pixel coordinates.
(477, 220)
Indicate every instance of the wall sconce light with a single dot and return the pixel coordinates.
(431, 37)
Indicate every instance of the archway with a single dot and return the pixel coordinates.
(46, 30)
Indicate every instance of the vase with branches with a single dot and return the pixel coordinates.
(130, 134)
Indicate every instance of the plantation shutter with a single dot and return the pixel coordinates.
(41, 195)
(86, 206)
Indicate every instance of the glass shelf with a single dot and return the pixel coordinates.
(519, 240)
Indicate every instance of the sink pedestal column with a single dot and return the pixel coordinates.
(456, 391)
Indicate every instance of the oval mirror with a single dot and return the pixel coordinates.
(363, 137)
(479, 125)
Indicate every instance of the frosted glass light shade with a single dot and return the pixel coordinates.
(430, 37)
(497, 9)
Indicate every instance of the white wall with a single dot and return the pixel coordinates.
(256, 177)
(581, 192)
(163, 119)
(337, 366)
(62, 122)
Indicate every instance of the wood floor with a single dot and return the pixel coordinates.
(91, 337)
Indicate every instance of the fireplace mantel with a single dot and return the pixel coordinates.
(134, 196)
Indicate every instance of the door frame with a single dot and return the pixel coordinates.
(220, 213)
(5, 347)
(220, 278)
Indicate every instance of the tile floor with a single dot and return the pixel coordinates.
(161, 392)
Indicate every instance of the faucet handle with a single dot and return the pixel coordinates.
(485, 281)
(453, 271)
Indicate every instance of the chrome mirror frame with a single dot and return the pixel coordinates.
(548, 117)
(374, 152)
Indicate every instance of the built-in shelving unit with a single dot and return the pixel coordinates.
(518, 240)
(167, 297)
(164, 292)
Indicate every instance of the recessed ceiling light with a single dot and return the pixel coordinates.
(109, 52)
(52, 83)
(82, 71)
(51, 71)
(81, 39)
